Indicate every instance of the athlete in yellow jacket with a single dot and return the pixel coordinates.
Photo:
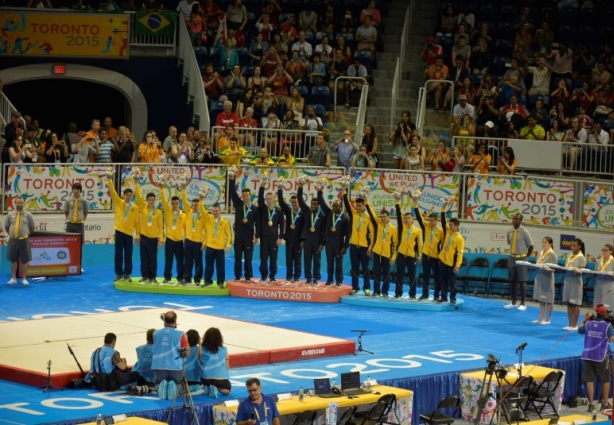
(384, 250)
(175, 220)
(152, 235)
(408, 252)
(219, 241)
(362, 239)
(194, 238)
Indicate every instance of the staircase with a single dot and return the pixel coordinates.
(379, 110)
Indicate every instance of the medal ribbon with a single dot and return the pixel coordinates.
(335, 222)
(246, 210)
(272, 215)
(175, 218)
(216, 223)
(450, 239)
(362, 218)
(314, 220)
(409, 232)
(150, 216)
(127, 210)
(194, 218)
(295, 216)
(385, 232)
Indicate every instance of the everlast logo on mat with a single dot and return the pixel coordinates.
(313, 352)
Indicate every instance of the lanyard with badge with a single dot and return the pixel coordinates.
(265, 421)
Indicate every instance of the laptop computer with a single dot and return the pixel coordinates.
(350, 384)
(322, 388)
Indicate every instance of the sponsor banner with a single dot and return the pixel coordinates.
(540, 201)
(598, 209)
(338, 348)
(566, 241)
(213, 177)
(250, 177)
(160, 24)
(55, 255)
(65, 34)
(282, 292)
(384, 183)
(48, 187)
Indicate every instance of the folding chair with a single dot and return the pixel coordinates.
(544, 393)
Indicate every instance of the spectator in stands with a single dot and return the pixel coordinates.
(437, 71)
(448, 22)
(170, 141)
(509, 87)
(247, 100)
(460, 31)
(507, 162)
(464, 127)
(347, 22)
(373, 12)
(345, 50)
(287, 30)
(413, 161)
(576, 134)
(271, 61)
(486, 87)
(604, 102)
(272, 124)
(562, 63)
(304, 48)
(290, 123)
(560, 94)
(150, 150)
(555, 133)
(457, 76)
(480, 161)
(542, 42)
(15, 127)
(232, 154)
(272, 8)
(226, 44)
(346, 149)
(325, 50)
(209, 157)
(313, 123)
(482, 32)
(328, 22)
(431, 51)
(600, 76)
(585, 120)
(198, 145)
(246, 137)
(480, 57)
(296, 66)
(196, 26)
(353, 88)
(296, 103)
(521, 49)
(105, 149)
(319, 155)
(369, 138)
(400, 139)
(541, 114)
(18, 151)
(308, 21)
(57, 151)
(268, 100)
(70, 137)
(213, 83)
(235, 84)
(533, 131)
(486, 112)
(236, 15)
(184, 8)
(439, 157)
(458, 160)
(583, 62)
(463, 107)
(265, 28)
(581, 98)
(107, 125)
(525, 19)
(514, 107)
(600, 159)
(263, 159)
(463, 50)
(125, 150)
(211, 13)
(182, 153)
(31, 137)
(257, 82)
(560, 112)
(466, 17)
(541, 79)
(224, 119)
(362, 159)
(279, 83)
(84, 150)
(228, 133)
(286, 159)
(468, 90)
(366, 36)
(258, 48)
(338, 68)
(316, 71)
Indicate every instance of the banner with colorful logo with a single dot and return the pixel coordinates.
(250, 177)
(540, 201)
(384, 183)
(64, 34)
(598, 208)
(213, 177)
(159, 24)
(48, 187)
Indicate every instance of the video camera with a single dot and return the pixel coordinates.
(183, 352)
(609, 317)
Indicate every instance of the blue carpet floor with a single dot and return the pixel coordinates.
(406, 343)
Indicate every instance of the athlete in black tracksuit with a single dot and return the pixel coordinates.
(246, 216)
(336, 239)
(270, 230)
(311, 237)
(294, 225)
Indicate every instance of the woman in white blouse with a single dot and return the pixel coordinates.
(543, 289)
(604, 285)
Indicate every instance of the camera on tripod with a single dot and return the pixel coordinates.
(609, 316)
(494, 366)
(183, 352)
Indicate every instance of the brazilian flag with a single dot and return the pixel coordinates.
(161, 24)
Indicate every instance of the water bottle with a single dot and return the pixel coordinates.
(594, 415)
(368, 383)
(99, 419)
(332, 384)
(301, 394)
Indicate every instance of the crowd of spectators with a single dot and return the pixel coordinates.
(537, 71)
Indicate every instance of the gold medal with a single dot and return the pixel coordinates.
(293, 226)
(334, 229)
(270, 223)
(244, 220)
(313, 229)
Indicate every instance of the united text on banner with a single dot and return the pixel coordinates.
(47, 187)
(540, 201)
(384, 183)
(65, 34)
(212, 177)
(598, 208)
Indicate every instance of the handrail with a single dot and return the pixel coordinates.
(192, 75)
(394, 93)
(362, 111)
(335, 88)
(422, 106)
(405, 31)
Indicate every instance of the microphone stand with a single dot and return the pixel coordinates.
(519, 351)
(48, 386)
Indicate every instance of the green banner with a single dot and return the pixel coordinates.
(161, 24)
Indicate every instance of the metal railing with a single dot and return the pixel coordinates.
(335, 88)
(194, 80)
(362, 112)
(6, 113)
(252, 139)
(554, 157)
(394, 93)
(423, 98)
(405, 31)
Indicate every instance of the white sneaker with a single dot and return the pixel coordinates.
(12, 281)
(25, 282)
(566, 328)
(574, 328)
(538, 321)
(545, 322)
(522, 307)
(510, 306)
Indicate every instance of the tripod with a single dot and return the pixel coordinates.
(188, 401)
(485, 393)
(360, 349)
(48, 386)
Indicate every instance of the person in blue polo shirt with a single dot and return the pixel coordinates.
(257, 409)
(170, 347)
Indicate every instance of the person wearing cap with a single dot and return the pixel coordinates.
(15, 127)
(521, 246)
(463, 108)
(598, 334)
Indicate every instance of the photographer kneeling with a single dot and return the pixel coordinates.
(170, 347)
(596, 355)
(108, 370)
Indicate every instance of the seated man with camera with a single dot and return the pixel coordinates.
(108, 370)
(598, 331)
(170, 347)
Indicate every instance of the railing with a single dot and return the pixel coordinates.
(6, 113)
(405, 32)
(151, 40)
(362, 112)
(578, 159)
(335, 88)
(191, 75)
(423, 99)
(395, 92)
(252, 139)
